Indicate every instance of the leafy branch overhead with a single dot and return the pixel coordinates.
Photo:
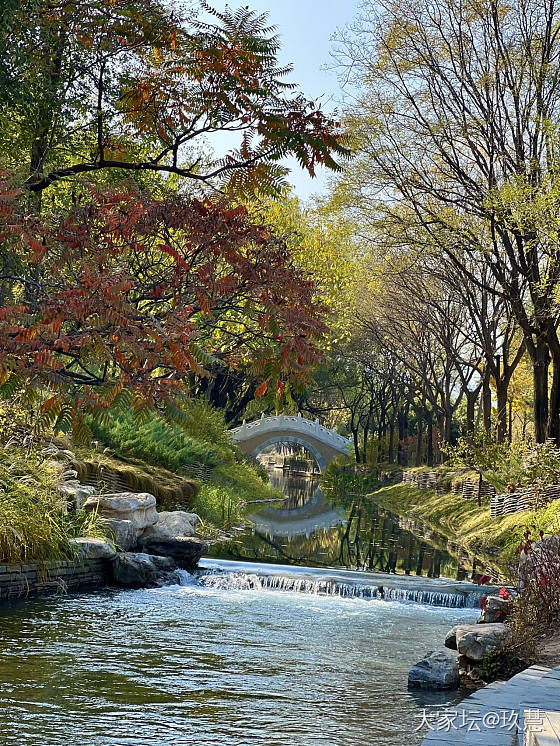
(135, 87)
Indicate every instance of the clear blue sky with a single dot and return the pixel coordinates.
(305, 28)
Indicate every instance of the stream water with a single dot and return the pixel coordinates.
(352, 531)
(246, 653)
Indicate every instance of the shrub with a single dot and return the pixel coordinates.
(156, 441)
(509, 465)
(539, 577)
(536, 609)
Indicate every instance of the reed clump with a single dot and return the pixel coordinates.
(35, 526)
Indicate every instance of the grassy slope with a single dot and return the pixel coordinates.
(465, 522)
(200, 436)
(147, 457)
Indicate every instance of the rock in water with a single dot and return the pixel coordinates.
(165, 564)
(436, 671)
(185, 550)
(122, 533)
(450, 639)
(171, 525)
(473, 640)
(496, 610)
(138, 507)
(92, 548)
(134, 570)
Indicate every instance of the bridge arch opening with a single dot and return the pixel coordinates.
(295, 440)
(322, 443)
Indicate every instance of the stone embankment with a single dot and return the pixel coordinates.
(18, 581)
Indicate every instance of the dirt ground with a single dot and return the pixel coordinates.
(549, 654)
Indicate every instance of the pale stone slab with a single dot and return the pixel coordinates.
(138, 507)
(93, 548)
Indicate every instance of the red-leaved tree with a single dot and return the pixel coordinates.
(131, 297)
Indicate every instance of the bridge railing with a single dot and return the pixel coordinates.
(290, 423)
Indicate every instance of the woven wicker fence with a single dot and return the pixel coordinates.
(426, 480)
(422, 480)
(524, 499)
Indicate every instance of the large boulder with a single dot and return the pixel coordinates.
(134, 570)
(474, 640)
(121, 533)
(437, 671)
(171, 524)
(185, 550)
(89, 547)
(138, 507)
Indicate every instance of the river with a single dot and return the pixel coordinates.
(244, 654)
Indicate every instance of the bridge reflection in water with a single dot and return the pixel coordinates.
(349, 531)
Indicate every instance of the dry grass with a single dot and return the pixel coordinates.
(34, 525)
(172, 491)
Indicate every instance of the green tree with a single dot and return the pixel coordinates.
(134, 87)
(456, 128)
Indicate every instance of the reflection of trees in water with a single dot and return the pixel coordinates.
(298, 490)
(374, 540)
(371, 539)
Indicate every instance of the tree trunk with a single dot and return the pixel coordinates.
(403, 434)
(487, 402)
(430, 439)
(501, 396)
(391, 455)
(441, 430)
(541, 362)
(554, 412)
(471, 397)
(356, 445)
(419, 441)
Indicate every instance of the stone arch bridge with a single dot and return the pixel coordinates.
(325, 445)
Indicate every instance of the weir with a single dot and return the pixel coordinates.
(244, 576)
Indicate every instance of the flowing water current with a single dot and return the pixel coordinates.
(215, 666)
(245, 653)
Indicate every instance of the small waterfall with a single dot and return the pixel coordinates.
(182, 577)
(241, 581)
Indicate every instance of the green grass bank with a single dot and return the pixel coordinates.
(157, 455)
(466, 523)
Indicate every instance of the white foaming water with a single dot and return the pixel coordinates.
(224, 575)
(286, 656)
(244, 581)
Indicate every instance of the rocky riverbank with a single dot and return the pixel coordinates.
(443, 670)
(515, 628)
(142, 545)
